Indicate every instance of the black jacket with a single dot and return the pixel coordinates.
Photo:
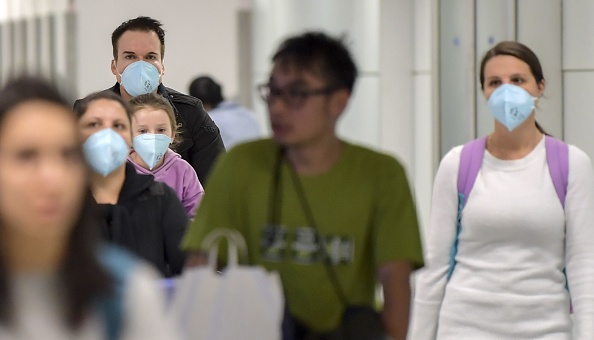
(202, 141)
(149, 220)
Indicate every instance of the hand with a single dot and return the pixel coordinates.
(196, 259)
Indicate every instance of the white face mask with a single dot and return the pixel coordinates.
(105, 151)
(139, 78)
(511, 105)
(151, 147)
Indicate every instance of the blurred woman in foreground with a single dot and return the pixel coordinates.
(56, 280)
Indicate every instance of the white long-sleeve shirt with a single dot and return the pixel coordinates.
(39, 311)
(515, 241)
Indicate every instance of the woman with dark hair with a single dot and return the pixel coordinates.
(137, 213)
(510, 244)
(55, 279)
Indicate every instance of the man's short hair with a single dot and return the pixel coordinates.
(142, 24)
(321, 54)
(207, 90)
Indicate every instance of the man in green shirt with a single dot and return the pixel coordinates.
(331, 217)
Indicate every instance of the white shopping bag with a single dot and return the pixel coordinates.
(242, 302)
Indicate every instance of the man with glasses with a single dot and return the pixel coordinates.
(331, 217)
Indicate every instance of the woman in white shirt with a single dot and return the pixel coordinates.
(517, 239)
(56, 280)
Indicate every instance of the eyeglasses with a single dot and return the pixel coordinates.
(293, 97)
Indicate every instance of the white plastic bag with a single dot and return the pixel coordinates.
(242, 302)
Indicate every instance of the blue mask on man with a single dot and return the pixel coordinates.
(105, 151)
(151, 147)
(139, 78)
(511, 105)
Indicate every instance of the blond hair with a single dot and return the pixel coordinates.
(158, 102)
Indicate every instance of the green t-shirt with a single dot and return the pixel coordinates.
(362, 208)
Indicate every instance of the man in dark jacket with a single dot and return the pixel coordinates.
(138, 51)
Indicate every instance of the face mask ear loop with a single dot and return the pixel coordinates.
(536, 101)
(115, 64)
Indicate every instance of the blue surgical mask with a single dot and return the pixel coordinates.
(105, 151)
(151, 147)
(511, 105)
(139, 78)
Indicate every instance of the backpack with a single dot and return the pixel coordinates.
(119, 263)
(471, 160)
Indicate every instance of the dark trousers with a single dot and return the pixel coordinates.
(359, 323)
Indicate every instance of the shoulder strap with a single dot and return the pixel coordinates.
(471, 160)
(558, 162)
(119, 263)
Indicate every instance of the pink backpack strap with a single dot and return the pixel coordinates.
(471, 160)
(558, 162)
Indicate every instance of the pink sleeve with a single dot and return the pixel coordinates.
(193, 192)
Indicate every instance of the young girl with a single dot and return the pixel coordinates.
(153, 132)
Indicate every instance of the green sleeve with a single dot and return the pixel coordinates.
(396, 228)
(218, 205)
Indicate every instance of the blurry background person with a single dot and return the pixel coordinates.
(138, 213)
(51, 277)
(237, 124)
(154, 132)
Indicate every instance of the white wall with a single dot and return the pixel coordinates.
(424, 107)
(456, 68)
(578, 73)
(200, 36)
(396, 96)
(495, 22)
(35, 38)
(546, 41)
